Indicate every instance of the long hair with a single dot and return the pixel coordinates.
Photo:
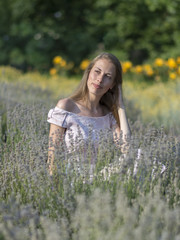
(109, 99)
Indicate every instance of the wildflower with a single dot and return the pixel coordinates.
(148, 69)
(84, 64)
(150, 72)
(171, 63)
(159, 62)
(172, 75)
(57, 60)
(52, 71)
(178, 60)
(126, 66)
(62, 63)
(178, 71)
(138, 69)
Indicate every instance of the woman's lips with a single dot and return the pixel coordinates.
(97, 86)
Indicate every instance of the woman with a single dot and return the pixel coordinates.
(97, 102)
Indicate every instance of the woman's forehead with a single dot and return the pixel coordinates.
(105, 64)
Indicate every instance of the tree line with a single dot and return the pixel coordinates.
(34, 31)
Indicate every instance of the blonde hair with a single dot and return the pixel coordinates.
(107, 99)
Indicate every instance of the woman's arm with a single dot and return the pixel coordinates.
(126, 133)
(124, 126)
(56, 134)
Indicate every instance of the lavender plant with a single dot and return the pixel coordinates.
(133, 195)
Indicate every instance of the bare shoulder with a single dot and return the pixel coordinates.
(67, 104)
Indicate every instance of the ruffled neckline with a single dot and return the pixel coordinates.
(71, 113)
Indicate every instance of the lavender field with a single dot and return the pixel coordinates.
(128, 196)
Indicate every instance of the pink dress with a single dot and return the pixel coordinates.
(82, 132)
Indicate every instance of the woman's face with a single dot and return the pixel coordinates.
(101, 77)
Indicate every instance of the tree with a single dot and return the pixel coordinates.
(139, 29)
(35, 31)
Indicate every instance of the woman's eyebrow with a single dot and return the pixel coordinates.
(98, 68)
(101, 70)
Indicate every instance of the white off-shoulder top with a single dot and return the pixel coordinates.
(81, 131)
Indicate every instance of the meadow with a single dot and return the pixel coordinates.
(129, 196)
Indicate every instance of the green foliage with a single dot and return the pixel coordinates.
(35, 32)
(140, 28)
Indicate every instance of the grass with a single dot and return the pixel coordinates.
(157, 102)
(59, 85)
(127, 197)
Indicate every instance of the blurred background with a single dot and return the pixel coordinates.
(32, 33)
(50, 43)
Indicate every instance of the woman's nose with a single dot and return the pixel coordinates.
(100, 77)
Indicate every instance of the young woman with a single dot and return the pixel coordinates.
(97, 102)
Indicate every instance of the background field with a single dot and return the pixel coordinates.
(127, 196)
(45, 46)
(147, 100)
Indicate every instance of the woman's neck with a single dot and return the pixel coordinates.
(91, 103)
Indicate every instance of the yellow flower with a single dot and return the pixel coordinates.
(178, 71)
(150, 72)
(52, 71)
(138, 69)
(159, 62)
(124, 69)
(148, 69)
(171, 63)
(147, 66)
(126, 66)
(84, 64)
(178, 60)
(62, 63)
(57, 60)
(172, 75)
